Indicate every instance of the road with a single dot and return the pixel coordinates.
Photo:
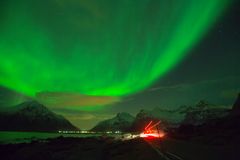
(169, 149)
(164, 155)
(97, 148)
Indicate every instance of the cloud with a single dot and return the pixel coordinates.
(83, 119)
(178, 86)
(88, 116)
(64, 99)
(230, 93)
(225, 80)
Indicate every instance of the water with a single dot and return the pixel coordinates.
(19, 137)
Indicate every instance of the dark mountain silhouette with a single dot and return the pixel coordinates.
(184, 115)
(142, 119)
(203, 112)
(236, 107)
(121, 122)
(33, 116)
(218, 130)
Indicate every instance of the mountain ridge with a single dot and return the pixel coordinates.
(121, 122)
(33, 116)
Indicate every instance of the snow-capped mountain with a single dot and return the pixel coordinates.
(211, 125)
(203, 112)
(168, 118)
(33, 116)
(194, 115)
(184, 115)
(121, 122)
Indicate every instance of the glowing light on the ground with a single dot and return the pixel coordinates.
(152, 131)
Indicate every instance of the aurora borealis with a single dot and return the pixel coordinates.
(98, 48)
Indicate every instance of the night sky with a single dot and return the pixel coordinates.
(89, 59)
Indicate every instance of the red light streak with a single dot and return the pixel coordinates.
(148, 125)
(154, 125)
(150, 133)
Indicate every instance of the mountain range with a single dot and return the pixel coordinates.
(121, 122)
(32, 116)
(195, 115)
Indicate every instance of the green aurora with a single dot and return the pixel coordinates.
(98, 48)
